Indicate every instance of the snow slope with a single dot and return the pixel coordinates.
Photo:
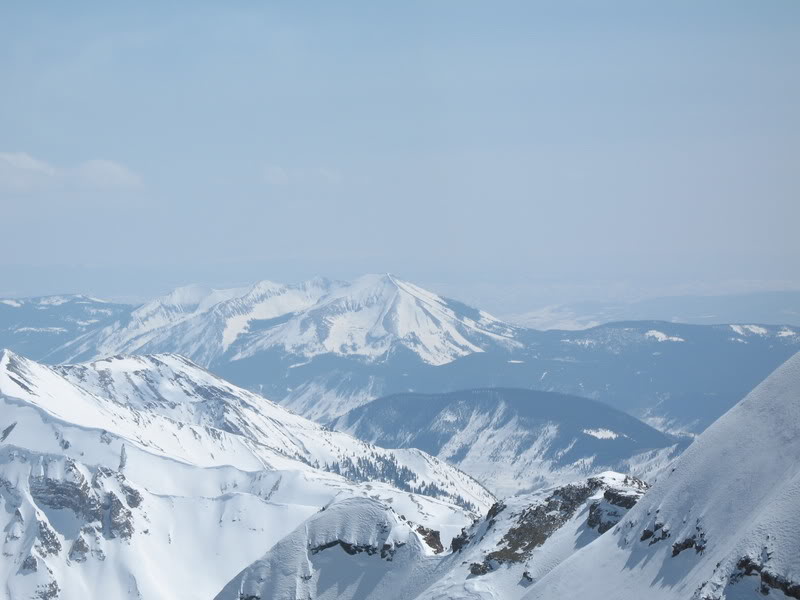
(176, 388)
(723, 523)
(515, 440)
(360, 549)
(194, 321)
(106, 479)
(367, 318)
(376, 314)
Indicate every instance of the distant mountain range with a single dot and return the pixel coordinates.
(775, 308)
(322, 348)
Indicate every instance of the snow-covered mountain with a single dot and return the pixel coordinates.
(515, 440)
(777, 308)
(322, 348)
(148, 477)
(368, 318)
(723, 523)
(362, 549)
(36, 326)
(378, 314)
(194, 321)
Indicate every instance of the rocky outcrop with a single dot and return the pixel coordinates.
(432, 538)
(697, 541)
(657, 533)
(386, 550)
(47, 542)
(79, 549)
(605, 513)
(120, 518)
(748, 567)
(535, 524)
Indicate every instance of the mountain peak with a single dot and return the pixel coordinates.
(378, 313)
(6, 355)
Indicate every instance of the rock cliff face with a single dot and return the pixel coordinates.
(62, 511)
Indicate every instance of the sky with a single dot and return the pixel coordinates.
(533, 151)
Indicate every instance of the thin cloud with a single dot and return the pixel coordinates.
(106, 174)
(21, 172)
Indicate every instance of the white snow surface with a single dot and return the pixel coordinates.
(366, 318)
(601, 434)
(378, 312)
(197, 322)
(735, 492)
(148, 477)
(386, 556)
(660, 336)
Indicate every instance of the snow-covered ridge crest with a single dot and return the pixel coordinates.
(195, 321)
(377, 313)
(361, 549)
(367, 318)
(167, 406)
(110, 471)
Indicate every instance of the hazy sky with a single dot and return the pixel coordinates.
(481, 145)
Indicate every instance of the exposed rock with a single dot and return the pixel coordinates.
(605, 513)
(48, 540)
(132, 496)
(75, 495)
(432, 538)
(30, 564)
(386, 551)
(495, 510)
(120, 518)
(533, 526)
(538, 522)
(696, 541)
(48, 591)
(481, 568)
(527, 577)
(747, 566)
(656, 534)
(7, 431)
(459, 541)
(79, 549)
